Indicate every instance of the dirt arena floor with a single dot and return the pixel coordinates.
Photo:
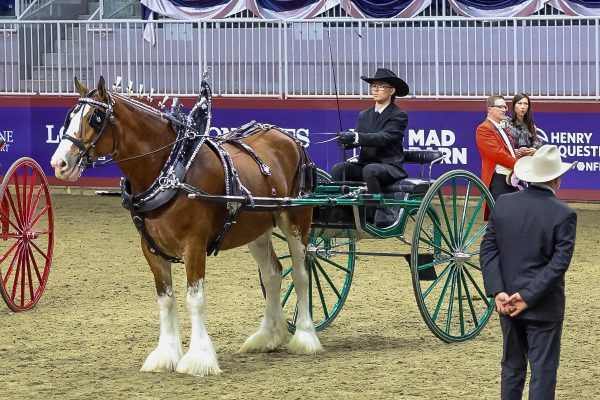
(98, 320)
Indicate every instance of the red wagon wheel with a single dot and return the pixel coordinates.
(26, 234)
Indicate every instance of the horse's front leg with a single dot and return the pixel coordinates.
(201, 358)
(167, 354)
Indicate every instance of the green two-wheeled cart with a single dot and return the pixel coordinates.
(438, 227)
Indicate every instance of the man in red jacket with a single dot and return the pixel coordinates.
(497, 151)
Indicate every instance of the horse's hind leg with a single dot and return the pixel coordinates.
(273, 327)
(295, 228)
(167, 354)
(201, 358)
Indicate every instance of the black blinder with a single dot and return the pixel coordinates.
(97, 120)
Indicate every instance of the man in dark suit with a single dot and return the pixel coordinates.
(379, 133)
(524, 255)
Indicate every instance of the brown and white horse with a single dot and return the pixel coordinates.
(183, 228)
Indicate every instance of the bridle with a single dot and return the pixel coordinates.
(102, 115)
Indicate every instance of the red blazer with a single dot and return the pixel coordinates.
(493, 151)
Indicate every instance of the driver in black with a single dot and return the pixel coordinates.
(379, 133)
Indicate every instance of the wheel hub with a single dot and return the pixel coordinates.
(460, 258)
(311, 250)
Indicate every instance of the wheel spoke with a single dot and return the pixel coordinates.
(12, 263)
(437, 280)
(460, 302)
(451, 302)
(287, 294)
(430, 243)
(324, 273)
(17, 272)
(483, 296)
(30, 196)
(286, 272)
(29, 277)
(439, 229)
(477, 235)
(10, 250)
(35, 266)
(469, 299)
(474, 216)
(464, 213)
(17, 215)
(446, 219)
(441, 299)
(44, 210)
(18, 195)
(35, 203)
(320, 290)
(470, 264)
(433, 263)
(455, 236)
(39, 251)
(334, 264)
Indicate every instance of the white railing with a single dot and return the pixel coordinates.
(450, 57)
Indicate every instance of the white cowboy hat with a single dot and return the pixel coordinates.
(543, 166)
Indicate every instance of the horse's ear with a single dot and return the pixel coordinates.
(101, 88)
(80, 87)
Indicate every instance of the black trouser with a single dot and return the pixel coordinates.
(537, 342)
(375, 175)
(498, 186)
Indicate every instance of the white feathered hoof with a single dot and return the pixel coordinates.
(261, 341)
(199, 363)
(305, 342)
(161, 360)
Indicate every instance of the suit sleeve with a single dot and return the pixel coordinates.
(492, 148)
(393, 131)
(563, 252)
(489, 258)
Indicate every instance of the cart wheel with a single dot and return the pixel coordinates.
(26, 235)
(445, 269)
(330, 277)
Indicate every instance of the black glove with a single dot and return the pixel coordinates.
(345, 138)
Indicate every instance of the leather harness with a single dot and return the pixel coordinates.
(172, 176)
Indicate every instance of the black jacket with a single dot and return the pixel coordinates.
(527, 248)
(381, 136)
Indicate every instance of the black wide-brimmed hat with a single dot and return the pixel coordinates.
(385, 75)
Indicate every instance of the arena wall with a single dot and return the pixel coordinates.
(32, 125)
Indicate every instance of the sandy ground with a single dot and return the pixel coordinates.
(98, 320)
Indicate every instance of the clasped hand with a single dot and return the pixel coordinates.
(510, 305)
(345, 138)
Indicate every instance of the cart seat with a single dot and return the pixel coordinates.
(408, 185)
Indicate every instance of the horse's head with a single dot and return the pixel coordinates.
(84, 138)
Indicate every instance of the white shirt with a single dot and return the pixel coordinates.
(381, 110)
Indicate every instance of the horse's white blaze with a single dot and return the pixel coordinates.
(63, 159)
(201, 358)
(305, 339)
(167, 354)
(273, 327)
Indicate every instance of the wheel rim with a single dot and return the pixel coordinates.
(330, 277)
(26, 234)
(448, 230)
